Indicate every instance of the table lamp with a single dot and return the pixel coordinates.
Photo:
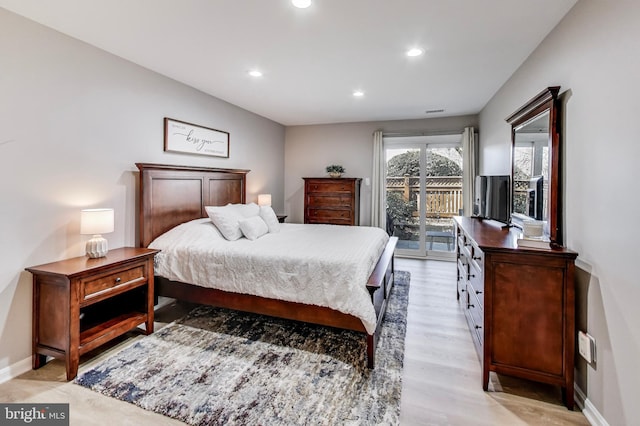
(96, 222)
(264, 199)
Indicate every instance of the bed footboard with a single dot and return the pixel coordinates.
(379, 285)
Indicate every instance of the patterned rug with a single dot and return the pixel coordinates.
(220, 367)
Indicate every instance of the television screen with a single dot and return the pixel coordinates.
(492, 198)
(535, 197)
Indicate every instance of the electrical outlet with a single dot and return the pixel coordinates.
(587, 347)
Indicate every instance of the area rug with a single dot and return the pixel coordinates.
(220, 367)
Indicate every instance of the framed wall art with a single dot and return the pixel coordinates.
(180, 136)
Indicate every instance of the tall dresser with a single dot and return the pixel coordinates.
(519, 304)
(332, 200)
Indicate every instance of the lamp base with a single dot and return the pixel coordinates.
(97, 247)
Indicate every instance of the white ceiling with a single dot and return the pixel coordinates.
(313, 59)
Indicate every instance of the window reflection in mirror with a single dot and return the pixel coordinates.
(531, 168)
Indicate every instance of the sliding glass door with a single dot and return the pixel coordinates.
(423, 192)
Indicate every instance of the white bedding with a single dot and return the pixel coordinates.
(323, 265)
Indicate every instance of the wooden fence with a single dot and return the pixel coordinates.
(444, 193)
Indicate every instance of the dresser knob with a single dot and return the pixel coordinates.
(478, 326)
(478, 292)
(118, 280)
(477, 258)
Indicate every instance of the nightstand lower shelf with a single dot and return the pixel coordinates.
(102, 333)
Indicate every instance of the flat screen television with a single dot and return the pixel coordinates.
(492, 198)
(535, 197)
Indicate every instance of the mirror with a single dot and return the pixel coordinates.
(535, 163)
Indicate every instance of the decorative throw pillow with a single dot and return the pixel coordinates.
(253, 227)
(269, 216)
(226, 220)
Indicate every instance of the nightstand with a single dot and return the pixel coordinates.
(281, 217)
(82, 303)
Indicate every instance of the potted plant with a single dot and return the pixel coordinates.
(335, 170)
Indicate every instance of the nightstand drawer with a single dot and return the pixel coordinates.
(97, 286)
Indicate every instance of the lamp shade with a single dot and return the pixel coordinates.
(264, 199)
(96, 221)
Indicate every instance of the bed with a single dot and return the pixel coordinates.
(173, 196)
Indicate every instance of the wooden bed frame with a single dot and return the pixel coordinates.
(170, 195)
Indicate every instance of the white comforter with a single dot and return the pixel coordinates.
(323, 265)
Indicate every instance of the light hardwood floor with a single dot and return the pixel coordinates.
(442, 375)
(441, 378)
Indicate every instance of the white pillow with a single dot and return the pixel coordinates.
(253, 227)
(269, 216)
(226, 220)
(245, 210)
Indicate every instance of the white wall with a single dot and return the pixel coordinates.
(594, 54)
(309, 149)
(73, 121)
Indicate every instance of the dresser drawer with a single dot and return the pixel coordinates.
(324, 214)
(463, 269)
(333, 186)
(98, 286)
(477, 314)
(465, 247)
(477, 258)
(327, 200)
(462, 278)
(476, 279)
(471, 315)
(476, 286)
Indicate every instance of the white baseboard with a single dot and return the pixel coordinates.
(14, 370)
(589, 410)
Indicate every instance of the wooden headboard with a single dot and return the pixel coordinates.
(170, 195)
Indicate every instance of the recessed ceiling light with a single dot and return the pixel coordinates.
(302, 4)
(358, 93)
(255, 73)
(416, 51)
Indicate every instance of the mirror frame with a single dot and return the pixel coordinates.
(547, 100)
